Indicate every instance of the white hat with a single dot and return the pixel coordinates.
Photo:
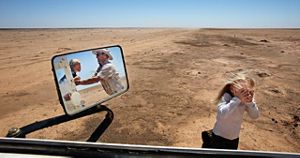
(73, 62)
(105, 51)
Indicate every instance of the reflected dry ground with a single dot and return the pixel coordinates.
(97, 94)
(92, 95)
(174, 74)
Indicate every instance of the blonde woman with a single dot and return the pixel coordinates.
(236, 97)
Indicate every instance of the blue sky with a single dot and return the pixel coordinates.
(150, 13)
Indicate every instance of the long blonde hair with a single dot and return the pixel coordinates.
(234, 80)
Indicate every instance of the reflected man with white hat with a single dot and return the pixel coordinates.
(106, 73)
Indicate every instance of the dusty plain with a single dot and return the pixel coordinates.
(173, 76)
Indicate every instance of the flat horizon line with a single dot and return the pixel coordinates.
(204, 28)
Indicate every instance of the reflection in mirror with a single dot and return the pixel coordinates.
(87, 78)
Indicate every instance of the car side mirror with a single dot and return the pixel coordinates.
(90, 77)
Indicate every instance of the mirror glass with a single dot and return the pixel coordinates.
(90, 77)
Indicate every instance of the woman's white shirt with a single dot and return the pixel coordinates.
(230, 116)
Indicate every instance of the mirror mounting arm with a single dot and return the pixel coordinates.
(23, 131)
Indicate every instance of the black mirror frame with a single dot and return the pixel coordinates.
(57, 84)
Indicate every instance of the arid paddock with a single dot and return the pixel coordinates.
(174, 75)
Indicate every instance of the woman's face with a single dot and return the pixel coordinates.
(77, 67)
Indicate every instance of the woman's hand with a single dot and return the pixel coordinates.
(77, 80)
(249, 97)
(67, 96)
(242, 94)
(245, 95)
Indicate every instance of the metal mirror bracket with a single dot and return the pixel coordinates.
(23, 131)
